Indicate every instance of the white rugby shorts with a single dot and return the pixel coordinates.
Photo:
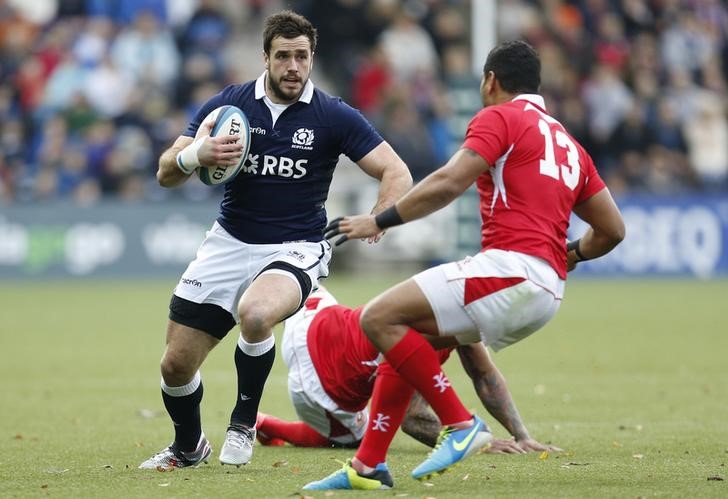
(225, 266)
(313, 406)
(497, 296)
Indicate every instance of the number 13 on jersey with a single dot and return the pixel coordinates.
(568, 173)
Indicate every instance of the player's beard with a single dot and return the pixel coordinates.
(275, 87)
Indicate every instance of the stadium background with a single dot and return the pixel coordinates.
(93, 90)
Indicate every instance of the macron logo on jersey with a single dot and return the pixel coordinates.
(272, 165)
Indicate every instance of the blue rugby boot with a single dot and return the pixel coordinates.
(347, 478)
(452, 447)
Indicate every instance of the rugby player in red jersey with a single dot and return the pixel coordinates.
(331, 371)
(530, 174)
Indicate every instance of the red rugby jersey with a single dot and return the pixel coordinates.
(538, 172)
(345, 360)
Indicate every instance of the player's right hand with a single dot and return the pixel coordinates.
(218, 151)
(531, 445)
(504, 446)
(571, 260)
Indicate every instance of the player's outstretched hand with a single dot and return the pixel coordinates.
(504, 446)
(531, 445)
(353, 227)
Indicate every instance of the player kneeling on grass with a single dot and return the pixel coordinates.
(332, 368)
(531, 174)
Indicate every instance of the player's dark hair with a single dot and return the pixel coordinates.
(288, 24)
(516, 66)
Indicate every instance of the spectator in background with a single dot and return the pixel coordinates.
(94, 41)
(206, 32)
(402, 127)
(448, 26)
(173, 51)
(354, 24)
(667, 130)
(408, 47)
(30, 82)
(371, 80)
(706, 134)
(108, 89)
(638, 17)
(125, 11)
(630, 174)
(64, 84)
(146, 51)
(99, 139)
(607, 100)
(682, 93)
(668, 171)
(611, 47)
(632, 134)
(686, 46)
(197, 70)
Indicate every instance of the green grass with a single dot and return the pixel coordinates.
(630, 378)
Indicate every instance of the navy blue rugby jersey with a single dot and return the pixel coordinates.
(280, 192)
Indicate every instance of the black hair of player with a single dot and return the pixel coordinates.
(288, 24)
(516, 66)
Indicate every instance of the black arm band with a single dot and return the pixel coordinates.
(388, 218)
(574, 245)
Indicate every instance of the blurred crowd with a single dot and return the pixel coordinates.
(92, 91)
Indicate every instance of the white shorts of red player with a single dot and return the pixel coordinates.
(499, 297)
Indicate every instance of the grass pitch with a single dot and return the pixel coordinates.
(630, 378)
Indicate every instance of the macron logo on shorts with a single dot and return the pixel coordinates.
(192, 282)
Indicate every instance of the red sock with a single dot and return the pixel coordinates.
(295, 433)
(389, 404)
(418, 363)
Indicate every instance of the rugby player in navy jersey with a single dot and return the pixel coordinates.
(266, 250)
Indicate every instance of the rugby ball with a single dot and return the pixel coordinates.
(229, 120)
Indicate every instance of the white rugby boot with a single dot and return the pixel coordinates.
(238, 446)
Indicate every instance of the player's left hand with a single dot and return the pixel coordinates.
(531, 445)
(353, 227)
(571, 260)
(504, 446)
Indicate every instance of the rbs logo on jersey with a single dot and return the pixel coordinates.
(272, 165)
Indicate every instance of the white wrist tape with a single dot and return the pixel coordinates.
(187, 159)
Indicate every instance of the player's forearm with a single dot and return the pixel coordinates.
(431, 194)
(394, 184)
(595, 244)
(169, 174)
(606, 227)
(420, 422)
(493, 393)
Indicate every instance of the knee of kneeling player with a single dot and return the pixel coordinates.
(373, 323)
